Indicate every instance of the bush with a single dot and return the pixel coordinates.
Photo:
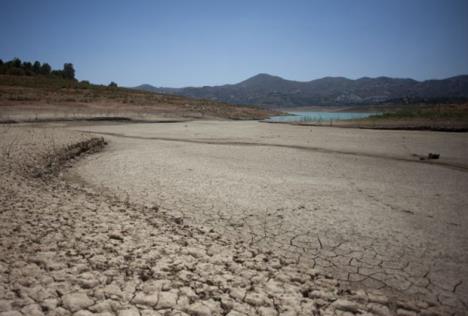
(112, 84)
(15, 71)
(45, 69)
(36, 67)
(68, 71)
(16, 62)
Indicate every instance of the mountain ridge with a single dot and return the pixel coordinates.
(273, 91)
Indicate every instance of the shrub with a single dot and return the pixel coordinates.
(45, 69)
(68, 71)
(113, 84)
(36, 67)
(15, 71)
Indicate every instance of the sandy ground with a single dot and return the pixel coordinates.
(359, 204)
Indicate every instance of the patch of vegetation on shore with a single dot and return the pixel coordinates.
(433, 112)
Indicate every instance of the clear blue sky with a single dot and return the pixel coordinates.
(180, 43)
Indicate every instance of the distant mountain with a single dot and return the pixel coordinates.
(273, 92)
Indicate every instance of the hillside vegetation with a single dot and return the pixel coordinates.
(38, 96)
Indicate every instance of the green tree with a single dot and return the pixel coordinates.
(27, 66)
(36, 67)
(68, 71)
(57, 73)
(1, 62)
(16, 62)
(45, 69)
(113, 84)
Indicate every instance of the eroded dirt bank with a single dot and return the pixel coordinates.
(68, 250)
(358, 204)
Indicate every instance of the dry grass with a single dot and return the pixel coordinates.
(39, 98)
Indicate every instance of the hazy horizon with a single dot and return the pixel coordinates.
(182, 43)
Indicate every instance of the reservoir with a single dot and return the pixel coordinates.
(319, 116)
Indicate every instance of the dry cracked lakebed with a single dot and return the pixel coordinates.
(222, 218)
(358, 204)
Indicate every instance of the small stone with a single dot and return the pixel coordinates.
(76, 301)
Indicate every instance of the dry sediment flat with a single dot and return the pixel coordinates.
(359, 204)
(69, 250)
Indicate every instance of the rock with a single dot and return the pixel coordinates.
(76, 301)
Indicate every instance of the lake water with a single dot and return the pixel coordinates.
(319, 116)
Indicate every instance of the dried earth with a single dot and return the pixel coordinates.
(358, 204)
(69, 249)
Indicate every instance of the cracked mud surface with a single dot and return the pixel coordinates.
(356, 204)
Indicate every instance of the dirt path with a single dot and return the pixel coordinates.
(357, 204)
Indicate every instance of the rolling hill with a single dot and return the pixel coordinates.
(274, 92)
